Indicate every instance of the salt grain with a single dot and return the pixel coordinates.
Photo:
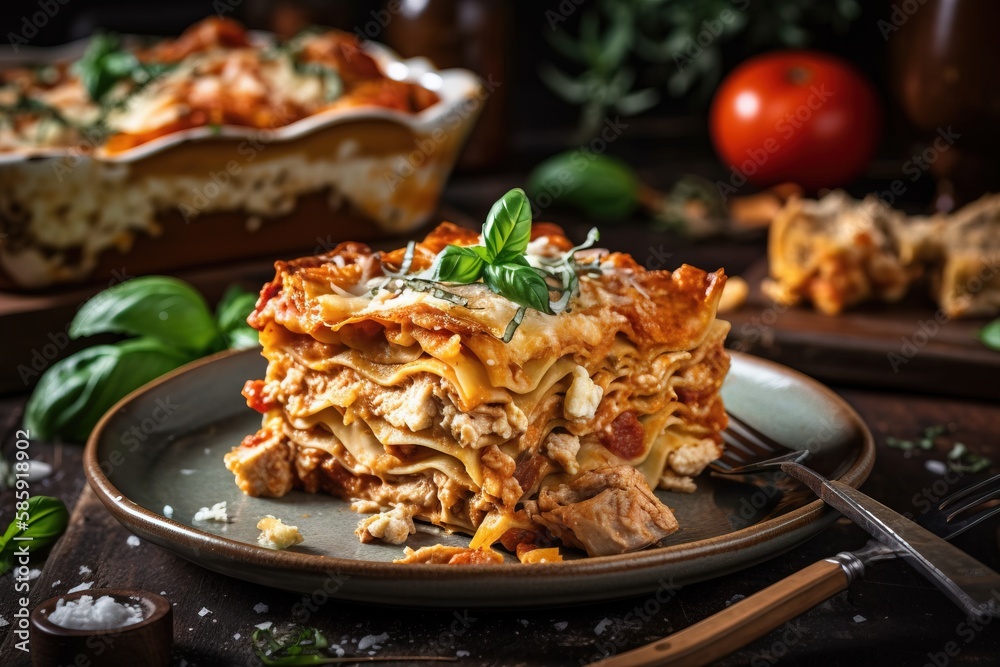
(266, 625)
(936, 467)
(561, 625)
(168, 511)
(133, 541)
(82, 587)
(602, 626)
(34, 573)
(860, 619)
(3, 622)
(216, 513)
(205, 611)
(85, 571)
(372, 641)
(237, 636)
(462, 654)
(260, 608)
(56, 583)
(89, 614)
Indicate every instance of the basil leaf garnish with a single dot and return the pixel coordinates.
(508, 227)
(521, 284)
(458, 264)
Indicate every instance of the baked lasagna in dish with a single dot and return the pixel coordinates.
(451, 403)
(217, 145)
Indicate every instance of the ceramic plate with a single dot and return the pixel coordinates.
(163, 445)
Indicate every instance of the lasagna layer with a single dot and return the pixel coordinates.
(408, 399)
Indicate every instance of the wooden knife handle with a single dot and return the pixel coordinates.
(740, 623)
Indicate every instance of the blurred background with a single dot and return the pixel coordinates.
(566, 67)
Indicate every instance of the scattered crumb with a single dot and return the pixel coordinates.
(133, 541)
(205, 611)
(365, 506)
(82, 587)
(462, 654)
(736, 598)
(163, 592)
(372, 641)
(208, 452)
(561, 625)
(523, 621)
(260, 608)
(3, 622)
(339, 652)
(34, 573)
(215, 620)
(392, 527)
(276, 535)
(168, 511)
(216, 513)
(602, 626)
(84, 571)
(266, 625)
(187, 471)
(56, 583)
(860, 619)
(237, 636)
(936, 467)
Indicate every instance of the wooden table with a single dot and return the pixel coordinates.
(893, 617)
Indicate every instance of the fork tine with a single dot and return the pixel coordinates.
(765, 442)
(951, 529)
(992, 484)
(748, 444)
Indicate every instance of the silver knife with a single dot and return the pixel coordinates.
(971, 585)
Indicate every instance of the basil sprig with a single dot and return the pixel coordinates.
(39, 524)
(501, 264)
(171, 325)
(990, 335)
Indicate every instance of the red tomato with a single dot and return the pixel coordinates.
(799, 116)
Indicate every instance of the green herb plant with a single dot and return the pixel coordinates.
(501, 264)
(295, 647)
(169, 323)
(960, 458)
(676, 44)
(38, 522)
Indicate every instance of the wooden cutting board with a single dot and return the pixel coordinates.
(899, 345)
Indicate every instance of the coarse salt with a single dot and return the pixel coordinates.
(372, 641)
(89, 614)
(260, 608)
(168, 511)
(133, 541)
(82, 587)
(216, 513)
(205, 611)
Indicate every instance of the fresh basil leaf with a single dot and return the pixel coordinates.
(164, 308)
(520, 284)
(74, 393)
(47, 519)
(508, 227)
(103, 64)
(457, 264)
(990, 335)
(231, 315)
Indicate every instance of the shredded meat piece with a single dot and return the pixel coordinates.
(609, 510)
(392, 527)
(262, 464)
(498, 476)
(563, 448)
(440, 554)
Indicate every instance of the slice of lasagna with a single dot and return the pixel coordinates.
(837, 252)
(396, 391)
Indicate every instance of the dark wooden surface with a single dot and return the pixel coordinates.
(905, 618)
(905, 345)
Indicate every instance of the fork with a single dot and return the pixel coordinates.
(739, 624)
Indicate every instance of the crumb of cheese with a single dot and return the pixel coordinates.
(393, 526)
(583, 396)
(276, 535)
